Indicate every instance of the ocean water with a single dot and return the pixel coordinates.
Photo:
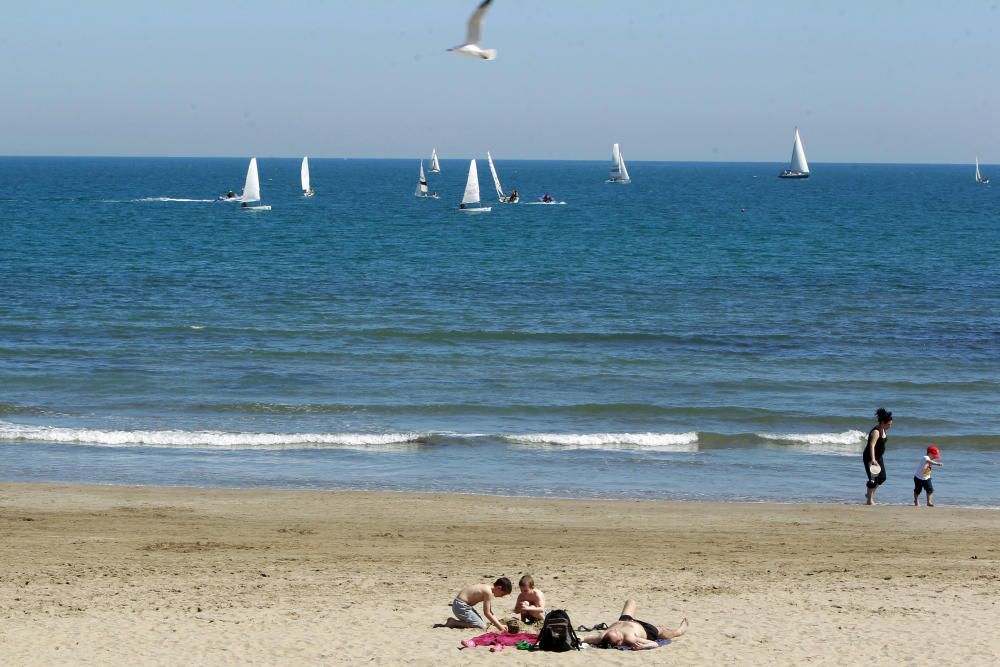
(708, 331)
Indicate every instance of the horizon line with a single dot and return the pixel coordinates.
(506, 159)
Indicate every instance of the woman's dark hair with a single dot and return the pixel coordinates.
(883, 416)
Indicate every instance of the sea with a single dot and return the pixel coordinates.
(707, 332)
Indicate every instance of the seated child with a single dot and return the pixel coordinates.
(922, 478)
(463, 606)
(531, 602)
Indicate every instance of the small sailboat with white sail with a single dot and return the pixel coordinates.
(513, 197)
(798, 167)
(307, 190)
(422, 190)
(435, 165)
(251, 190)
(979, 176)
(619, 173)
(470, 199)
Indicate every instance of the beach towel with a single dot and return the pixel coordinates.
(497, 641)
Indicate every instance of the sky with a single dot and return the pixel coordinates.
(701, 80)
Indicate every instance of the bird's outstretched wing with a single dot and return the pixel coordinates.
(475, 28)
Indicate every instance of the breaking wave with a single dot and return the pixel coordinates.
(670, 442)
(847, 443)
(206, 439)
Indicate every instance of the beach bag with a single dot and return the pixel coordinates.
(557, 633)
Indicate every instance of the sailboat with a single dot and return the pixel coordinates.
(979, 177)
(798, 168)
(421, 191)
(435, 165)
(251, 189)
(619, 174)
(306, 190)
(470, 200)
(514, 197)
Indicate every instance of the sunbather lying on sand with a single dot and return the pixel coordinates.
(628, 631)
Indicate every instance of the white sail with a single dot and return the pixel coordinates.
(251, 189)
(435, 165)
(471, 195)
(979, 177)
(496, 179)
(619, 174)
(422, 183)
(798, 163)
(621, 168)
(305, 175)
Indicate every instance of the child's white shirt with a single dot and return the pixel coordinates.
(925, 468)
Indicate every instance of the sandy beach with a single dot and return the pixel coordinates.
(102, 575)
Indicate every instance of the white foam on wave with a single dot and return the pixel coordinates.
(178, 439)
(173, 199)
(667, 442)
(848, 443)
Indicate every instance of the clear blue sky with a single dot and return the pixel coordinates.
(865, 80)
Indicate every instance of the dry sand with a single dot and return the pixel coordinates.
(110, 575)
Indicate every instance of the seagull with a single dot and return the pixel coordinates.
(472, 34)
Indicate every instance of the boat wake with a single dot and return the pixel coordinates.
(173, 199)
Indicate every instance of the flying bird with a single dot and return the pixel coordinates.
(472, 34)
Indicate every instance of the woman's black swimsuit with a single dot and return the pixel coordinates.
(877, 480)
(652, 632)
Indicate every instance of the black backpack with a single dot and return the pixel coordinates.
(557, 633)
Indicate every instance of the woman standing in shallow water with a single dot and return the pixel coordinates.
(874, 451)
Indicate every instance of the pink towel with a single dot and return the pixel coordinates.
(498, 640)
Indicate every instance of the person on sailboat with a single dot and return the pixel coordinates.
(547, 198)
(513, 197)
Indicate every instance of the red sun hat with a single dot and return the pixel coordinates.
(933, 452)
